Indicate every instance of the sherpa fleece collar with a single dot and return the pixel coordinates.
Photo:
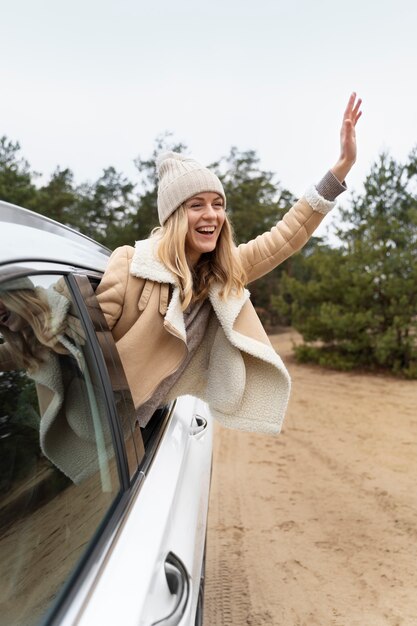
(145, 264)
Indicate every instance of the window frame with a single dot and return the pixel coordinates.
(105, 353)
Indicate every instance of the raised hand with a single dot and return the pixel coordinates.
(348, 138)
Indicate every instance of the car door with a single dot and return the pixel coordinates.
(100, 522)
(160, 544)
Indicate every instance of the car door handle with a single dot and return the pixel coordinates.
(198, 424)
(179, 586)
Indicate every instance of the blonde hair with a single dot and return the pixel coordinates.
(29, 345)
(26, 350)
(222, 265)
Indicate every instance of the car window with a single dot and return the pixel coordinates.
(58, 470)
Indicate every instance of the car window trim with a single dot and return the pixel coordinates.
(116, 430)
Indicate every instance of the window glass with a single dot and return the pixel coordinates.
(58, 473)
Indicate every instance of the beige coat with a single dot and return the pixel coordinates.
(235, 369)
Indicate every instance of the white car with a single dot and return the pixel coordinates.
(101, 522)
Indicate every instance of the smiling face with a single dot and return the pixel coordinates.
(206, 215)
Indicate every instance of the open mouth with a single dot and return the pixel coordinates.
(206, 230)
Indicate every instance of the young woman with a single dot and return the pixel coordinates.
(177, 305)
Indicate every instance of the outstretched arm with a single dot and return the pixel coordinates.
(265, 252)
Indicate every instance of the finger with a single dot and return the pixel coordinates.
(356, 108)
(357, 117)
(349, 106)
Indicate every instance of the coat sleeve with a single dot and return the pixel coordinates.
(262, 254)
(112, 288)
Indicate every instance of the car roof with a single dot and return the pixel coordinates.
(29, 236)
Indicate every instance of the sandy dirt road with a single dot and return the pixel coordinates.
(318, 526)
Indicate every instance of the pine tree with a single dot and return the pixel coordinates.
(16, 178)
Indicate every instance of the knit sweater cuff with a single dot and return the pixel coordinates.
(330, 187)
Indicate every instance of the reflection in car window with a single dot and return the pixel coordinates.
(58, 471)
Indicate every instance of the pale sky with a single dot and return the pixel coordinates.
(91, 83)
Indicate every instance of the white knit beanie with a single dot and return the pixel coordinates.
(181, 178)
(17, 284)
